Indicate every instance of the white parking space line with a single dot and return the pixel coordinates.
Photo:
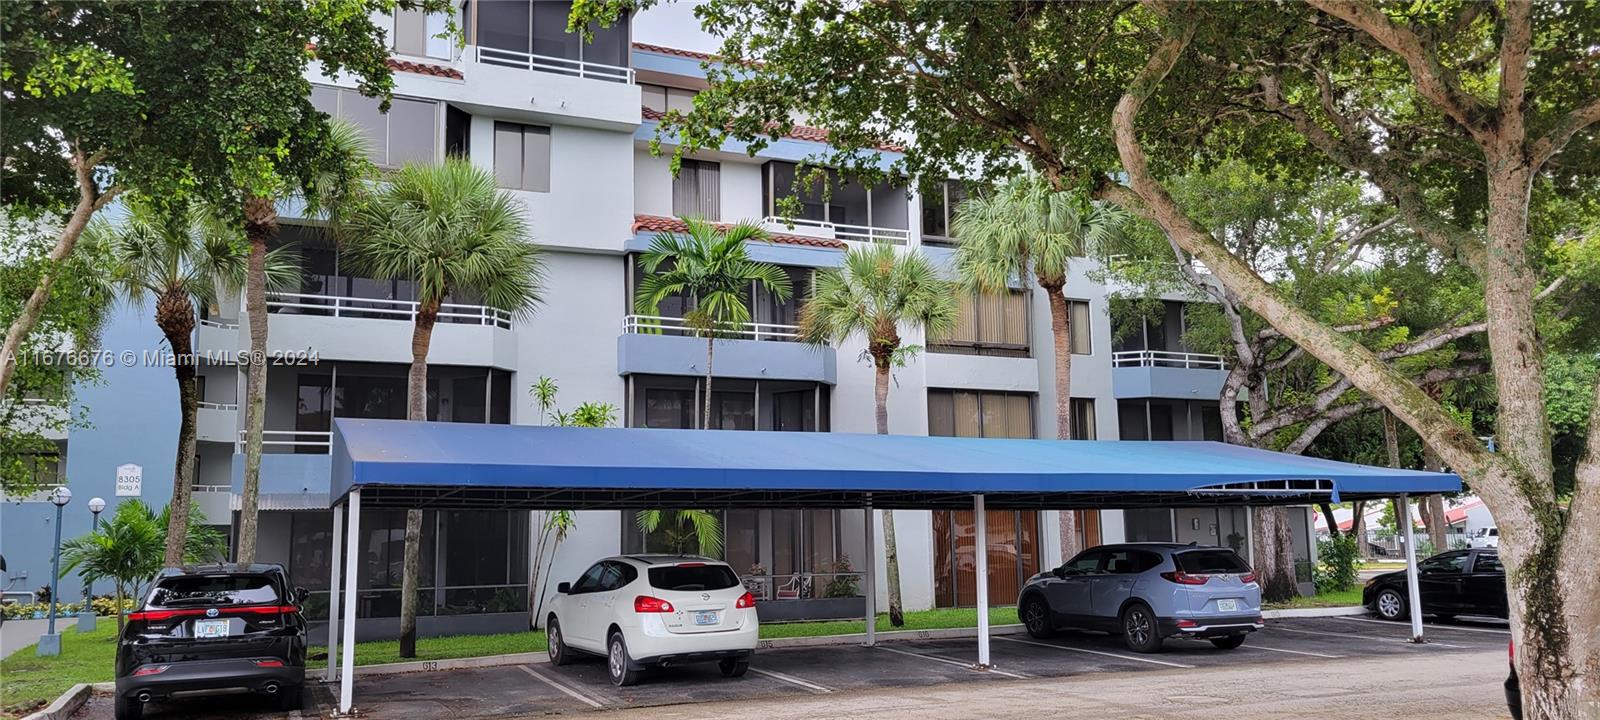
(1348, 636)
(948, 661)
(1248, 646)
(1432, 625)
(1098, 652)
(792, 680)
(580, 697)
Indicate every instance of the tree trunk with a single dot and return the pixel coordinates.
(891, 549)
(1327, 516)
(705, 421)
(175, 316)
(1432, 506)
(1061, 338)
(260, 227)
(90, 200)
(1358, 528)
(1274, 554)
(416, 410)
(534, 570)
(121, 620)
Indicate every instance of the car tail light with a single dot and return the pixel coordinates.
(1248, 577)
(1182, 578)
(150, 670)
(1187, 624)
(162, 615)
(269, 663)
(745, 601)
(647, 604)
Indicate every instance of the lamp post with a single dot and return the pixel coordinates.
(86, 619)
(50, 642)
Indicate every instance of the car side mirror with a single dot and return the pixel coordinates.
(1060, 572)
(300, 595)
(564, 588)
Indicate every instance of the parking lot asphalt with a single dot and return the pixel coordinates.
(539, 689)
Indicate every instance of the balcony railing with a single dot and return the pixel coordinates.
(230, 407)
(380, 309)
(219, 324)
(299, 441)
(211, 488)
(559, 66)
(1168, 359)
(660, 325)
(842, 231)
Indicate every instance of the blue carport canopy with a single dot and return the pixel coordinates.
(399, 463)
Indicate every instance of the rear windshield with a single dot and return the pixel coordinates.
(1201, 562)
(214, 590)
(693, 577)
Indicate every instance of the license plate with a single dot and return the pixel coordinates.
(708, 617)
(1227, 605)
(210, 628)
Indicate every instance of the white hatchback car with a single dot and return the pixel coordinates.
(641, 611)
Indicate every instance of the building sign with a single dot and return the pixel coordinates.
(130, 480)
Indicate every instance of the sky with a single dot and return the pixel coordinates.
(673, 24)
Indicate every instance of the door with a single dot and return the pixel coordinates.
(603, 601)
(576, 621)
(1484, 588)
(1069, 591)
(1114, 584)
(1439, 581)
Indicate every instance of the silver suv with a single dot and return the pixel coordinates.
(1147, 592)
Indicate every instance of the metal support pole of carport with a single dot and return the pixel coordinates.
(981, 555)
(1414, 595)
(348, 662)
(871, 568)
(336, 572)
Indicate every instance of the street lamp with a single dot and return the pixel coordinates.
(86, 619)
(50, 642)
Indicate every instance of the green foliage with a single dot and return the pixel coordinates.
(1338, 560)
(711, 269)
(843, 584)
(129, 547)
(587, 414)
(183, 249)
(877, 291)
(449, 229)
(1024, 228)
(686, 531)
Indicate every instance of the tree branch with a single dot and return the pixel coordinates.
(1573, 122)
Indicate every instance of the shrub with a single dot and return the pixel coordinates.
(1336, 564)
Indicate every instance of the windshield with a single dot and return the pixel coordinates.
(693, 577)
(194, 590)
(1203, 562)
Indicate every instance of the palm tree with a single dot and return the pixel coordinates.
(127, 549)
(684, 529)
(877, 291)
(1024, 228)
(341, 168)
(710, 268)
(448, 229)
(181, 255)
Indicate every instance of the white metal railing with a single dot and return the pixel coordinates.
(320, 441)
(230, 407)
(220, 325)
(210, 488)
(560, 66)
(1164, 358)
(661, 325)
(842, 231)
(375, 308)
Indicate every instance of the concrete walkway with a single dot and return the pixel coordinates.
(18, 634)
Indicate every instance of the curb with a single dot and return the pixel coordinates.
(66, 705)
(1313, 612)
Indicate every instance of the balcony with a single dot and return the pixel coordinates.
(303, 442)
(379, 330)
(657, 345)
(557, 65)
(217, 422)
(40, 415)
(213, 501)
(1167, 374)
(836, 231)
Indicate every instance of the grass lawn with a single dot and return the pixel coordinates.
(30, 682)
(1344, 598)
(1384, 565)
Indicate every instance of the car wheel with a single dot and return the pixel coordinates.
(555, 644)
(1228, 642)
(1140, 630)
(127, 708)
(289, 698)
(618, 665)
(1390, 605)
(733, 668)
(1036, 618)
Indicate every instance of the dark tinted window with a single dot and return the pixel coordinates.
(1487, 563)
(693, 577)
(214, 590)
(1085, 563)
(616, 575)
(1123, 562)
(590, 580)
(1201, 562)
(1447, 563)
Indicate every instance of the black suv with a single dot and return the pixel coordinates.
(213, 628)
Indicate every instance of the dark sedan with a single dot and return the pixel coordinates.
(1459, 582)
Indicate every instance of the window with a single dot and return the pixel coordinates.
(590, 581)
(1487, 563)
(697, 190)
(1162, 333)
(214, 590)
(938, 211)
(692, 577)
(1129, 562)
(522, 156)
(1079, 335)
(1011, 544)
(884, 207)
(959, 413)
(417, 33)
(1204, 562)
(989, 324)
(513, 29)
(669, 408)
(408, 133)
(661, 99)
(1449, 563)
(1083, 427)
(1084, 564)
(1147, 525)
